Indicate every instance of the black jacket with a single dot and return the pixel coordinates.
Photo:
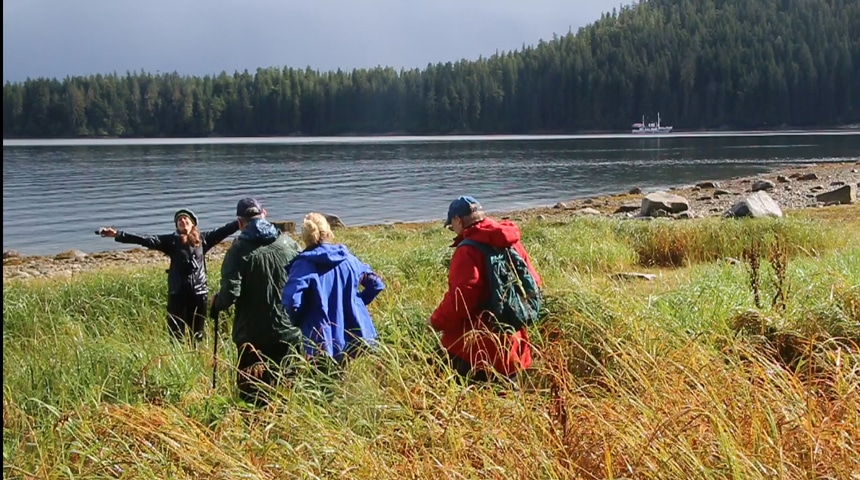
(187, 271)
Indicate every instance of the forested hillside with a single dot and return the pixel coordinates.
(700, 63)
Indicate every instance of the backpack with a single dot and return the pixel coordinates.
(515, 297)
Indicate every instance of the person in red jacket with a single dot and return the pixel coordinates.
(473, 349)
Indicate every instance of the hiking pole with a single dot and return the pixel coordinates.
(215, 350)
(215, 314)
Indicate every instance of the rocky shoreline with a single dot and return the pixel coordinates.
(792, 188)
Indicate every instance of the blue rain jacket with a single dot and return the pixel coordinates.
(326, 296)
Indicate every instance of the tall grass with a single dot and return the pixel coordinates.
(670, 244)
(683, 377)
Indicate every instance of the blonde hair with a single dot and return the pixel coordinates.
(316, 230)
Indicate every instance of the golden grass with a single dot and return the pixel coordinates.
(680, 377)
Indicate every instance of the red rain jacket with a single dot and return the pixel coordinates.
(464, 331)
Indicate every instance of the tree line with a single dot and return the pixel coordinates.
(700, 63)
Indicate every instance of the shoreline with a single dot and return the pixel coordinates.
(707, 198)
(851, 127)
(403, 137)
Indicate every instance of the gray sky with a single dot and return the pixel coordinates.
(55, 38)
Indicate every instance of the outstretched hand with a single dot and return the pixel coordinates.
(107, 232)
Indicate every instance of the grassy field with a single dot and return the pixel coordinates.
(740, 360)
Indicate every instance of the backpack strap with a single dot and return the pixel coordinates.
(485, 248)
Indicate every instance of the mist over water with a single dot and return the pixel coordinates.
(56, 193)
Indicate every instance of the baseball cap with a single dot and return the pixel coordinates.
(462, 206)
(248, 207)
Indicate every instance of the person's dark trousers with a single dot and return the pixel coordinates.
(259, 368)
(186, 314)
(468, 376)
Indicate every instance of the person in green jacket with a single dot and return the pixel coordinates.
(253, 277)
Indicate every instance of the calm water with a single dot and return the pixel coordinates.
(56, 193)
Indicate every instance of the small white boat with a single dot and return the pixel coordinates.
(650, 127)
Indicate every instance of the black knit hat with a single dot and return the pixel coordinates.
(184, 212)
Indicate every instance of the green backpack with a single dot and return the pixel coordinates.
(515, 297)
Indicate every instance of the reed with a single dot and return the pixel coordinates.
(682, 377)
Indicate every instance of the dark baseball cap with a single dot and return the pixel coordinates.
(462, 206)
(248, 207)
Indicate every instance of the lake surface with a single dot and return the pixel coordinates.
(57, 192)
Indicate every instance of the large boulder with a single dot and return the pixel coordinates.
(628, 207)
(763, 185)
(70, 255)
(334, 221)
(587, 211)
(662, 201)
(844, 195)
(756, 205)
(285, 226)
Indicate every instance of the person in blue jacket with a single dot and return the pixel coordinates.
(327, 293)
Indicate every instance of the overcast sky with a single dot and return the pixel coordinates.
(55, 38)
